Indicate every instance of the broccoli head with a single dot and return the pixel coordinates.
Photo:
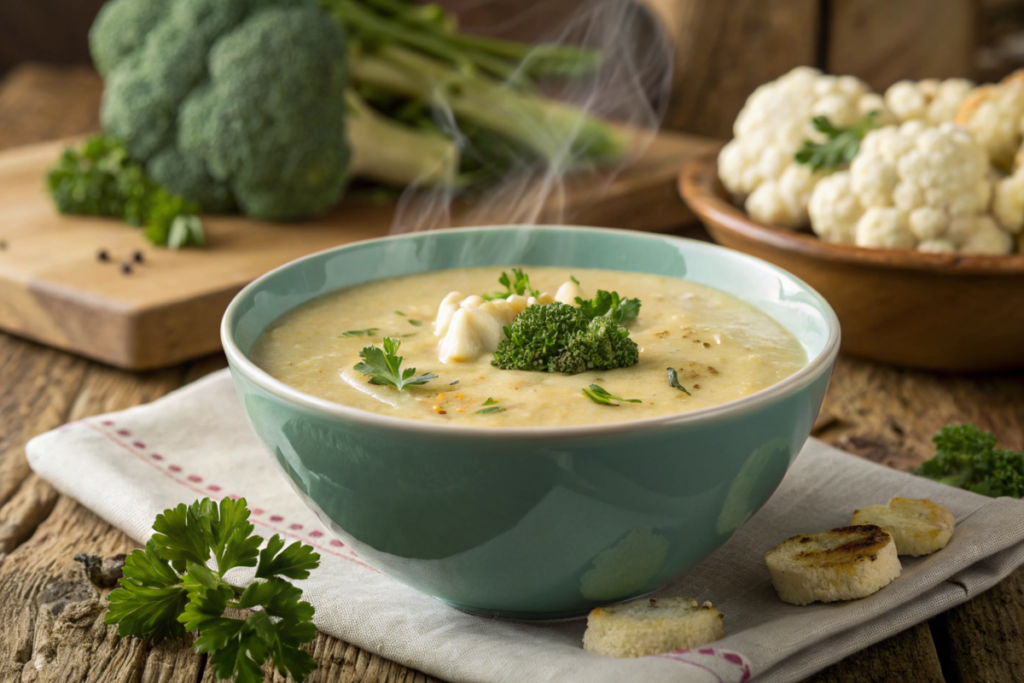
(559, 338)
(229, 102)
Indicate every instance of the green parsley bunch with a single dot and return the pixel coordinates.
(168, 590)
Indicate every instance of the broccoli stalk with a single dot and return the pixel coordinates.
(430, 30)
(558, 133)
(559, 338)
(967, 458)
(391, 153)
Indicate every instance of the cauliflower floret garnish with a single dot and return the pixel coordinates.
(470, 326)
(931, 100)
(994, 115)
(917, 186)
(758, 165)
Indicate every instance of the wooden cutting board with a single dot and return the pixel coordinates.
(53, 289)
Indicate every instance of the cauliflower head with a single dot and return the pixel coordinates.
(757, 165)
(912, 186)
(994, 115)
(229, 102)
(931, 100)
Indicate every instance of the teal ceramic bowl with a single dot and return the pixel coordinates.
(534, 523)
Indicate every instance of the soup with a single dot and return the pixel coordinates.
(719, 348)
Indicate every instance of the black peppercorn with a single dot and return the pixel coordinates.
(3, 245)
(126, 268)
(102, 255)
(137, 257)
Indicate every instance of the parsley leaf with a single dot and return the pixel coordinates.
(150, 598)
(611, 305)
(384, 367)
(598, 394)
(490, 401)
(415, 323)
(492, 409)
(168, 590)
(368, 332)
(673, 381)
(520, 286)
(841, 145)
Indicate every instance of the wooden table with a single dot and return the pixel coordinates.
(51, 617)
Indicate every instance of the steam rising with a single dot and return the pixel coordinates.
(630, 87)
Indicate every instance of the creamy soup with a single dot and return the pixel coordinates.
(721, 349)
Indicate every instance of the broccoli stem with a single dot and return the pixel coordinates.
(393, 154)
(561, 134)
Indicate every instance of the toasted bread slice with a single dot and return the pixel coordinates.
(917, 525)
(842, 564)
(650, 626)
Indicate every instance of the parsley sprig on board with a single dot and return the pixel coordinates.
(98, 178)
(168, 590)
(384, 367)
(841, 145)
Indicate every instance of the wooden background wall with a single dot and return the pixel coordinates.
(722, 48)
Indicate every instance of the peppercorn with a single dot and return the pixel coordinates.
(126, 268)
(102, 255)
(137, 257)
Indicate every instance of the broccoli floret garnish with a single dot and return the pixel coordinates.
(559, 338)
(967, 458)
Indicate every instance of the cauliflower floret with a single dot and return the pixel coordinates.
(884, 228)
(936, 246)
(916, 186)
(1008, 202)
(758, 167)
(931, 100)
(470, 326)
(979, 235)
(834, 209)
(994, 115)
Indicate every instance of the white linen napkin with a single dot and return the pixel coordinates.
(131, 465)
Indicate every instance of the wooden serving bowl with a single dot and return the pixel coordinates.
(952, 312)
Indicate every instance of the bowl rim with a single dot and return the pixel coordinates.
(815, 367)
(700, 187)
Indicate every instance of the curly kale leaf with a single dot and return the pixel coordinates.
(967, 458)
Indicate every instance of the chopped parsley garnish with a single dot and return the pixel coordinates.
(400, 313)
(384, 366)
(673, 381)
(573, 278)
(452, 384)
(368, 332)
(489, 402)
(520, 285)
(414, 322)
(598, 394)
(406, 336)
(492, 409)
(841, 145)
(610, 305)
(168, 591)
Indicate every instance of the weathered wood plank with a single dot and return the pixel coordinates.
(882, 41)
(890, 414)
(907, 656)
(982, 641)
(27, 508)
(38, 388)
(40, 103)
(723, 50)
